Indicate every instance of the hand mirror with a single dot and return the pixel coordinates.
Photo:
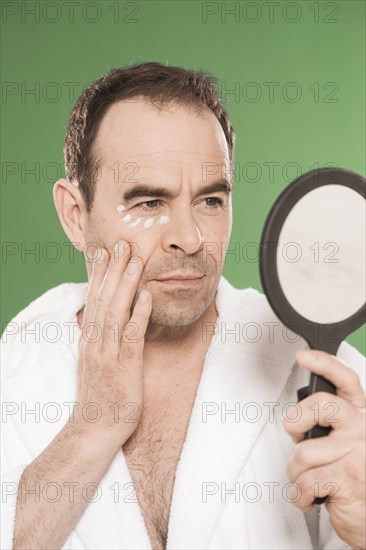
(312, 263)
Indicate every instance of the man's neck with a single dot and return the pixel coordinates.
(174, 362)
(181, 340)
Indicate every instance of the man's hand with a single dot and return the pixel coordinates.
(110, 376)
(110, 367)
(334, 465)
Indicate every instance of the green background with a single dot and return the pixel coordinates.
(313, 52)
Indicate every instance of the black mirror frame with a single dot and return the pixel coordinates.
(268, 259)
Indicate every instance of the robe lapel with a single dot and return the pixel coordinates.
(237, 376)
(114, 521)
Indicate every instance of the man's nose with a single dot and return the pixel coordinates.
(182, 231)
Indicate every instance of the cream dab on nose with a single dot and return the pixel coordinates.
(163, 219)
(120, 208)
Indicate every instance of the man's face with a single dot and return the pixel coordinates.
(176, 150)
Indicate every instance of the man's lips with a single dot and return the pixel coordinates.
(180, 280)
(180, 277)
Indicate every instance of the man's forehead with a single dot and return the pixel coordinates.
(141, 133)
(164, 161)
(171, 169)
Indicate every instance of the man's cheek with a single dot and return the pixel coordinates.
(142, 240)
(215, 245)
(143, 243)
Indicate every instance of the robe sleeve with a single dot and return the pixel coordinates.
(328, 538)
(14, 456)
(10, 479)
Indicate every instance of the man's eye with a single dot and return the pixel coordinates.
(152, 203)
(215, 206)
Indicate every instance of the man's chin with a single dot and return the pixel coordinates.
(178, 309)
(173, 317)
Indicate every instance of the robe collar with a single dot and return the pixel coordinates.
(240, 374)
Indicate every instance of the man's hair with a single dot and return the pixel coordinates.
(157, 83)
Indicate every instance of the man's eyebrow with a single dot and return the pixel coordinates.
(143, 190)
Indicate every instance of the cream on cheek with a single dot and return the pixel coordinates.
(134, 222)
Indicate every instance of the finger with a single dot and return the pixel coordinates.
(132, 347)
(118, 313)
(326, 481)
(99, 264)
(323, 409)
(313, 453)
(332, 368)
(115, 268)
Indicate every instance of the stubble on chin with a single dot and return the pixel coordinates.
(180, 309)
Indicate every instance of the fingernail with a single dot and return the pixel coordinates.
(132, 266)
(142, 297)
(359, 402)
(307, 356)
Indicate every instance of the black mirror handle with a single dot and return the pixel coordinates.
(318, 383)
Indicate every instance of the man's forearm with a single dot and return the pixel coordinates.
(74, 458)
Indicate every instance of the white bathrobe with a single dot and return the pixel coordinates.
(231, 490)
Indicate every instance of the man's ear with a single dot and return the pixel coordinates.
(71, 211)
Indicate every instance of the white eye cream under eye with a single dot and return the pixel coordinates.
(148, 222)
(136, 222)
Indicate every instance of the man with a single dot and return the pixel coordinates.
(173, 424)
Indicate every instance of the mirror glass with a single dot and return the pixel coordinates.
(321, 254)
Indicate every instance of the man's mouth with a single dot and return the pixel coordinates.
(180, 277)
(184, 280)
